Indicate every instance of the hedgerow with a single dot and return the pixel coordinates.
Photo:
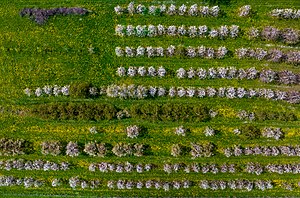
(75, 111)
(93, 111)
(40, 16)
(159, 10)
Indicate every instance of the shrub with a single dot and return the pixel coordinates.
(133, 131)
(245, 11)
(275, 133)
(293, 57)
(287, 77)
(180, 131)
(176, 150)
(55, 182)
(272, 115)
(95, 149)
(93, 91)
(90, 148)
(290, 36)
(181, 73)
(72, 149)
(28, 92)
(253, 33)
(202, 150)
(80, 90)
(270, 33)
(51, 148)
(38, 92)
(287, 116)
(251, 132)
(267, 76)
(122, 149)
(275, 55)
(119, 52)
(208, 131)
(130, 51)
(138, 150)
(93, 130)
(234, 31)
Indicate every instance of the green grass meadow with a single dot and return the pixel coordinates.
(57, 53)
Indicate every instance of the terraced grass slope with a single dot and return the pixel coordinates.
(75, 49)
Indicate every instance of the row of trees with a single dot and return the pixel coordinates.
(120, 167)
(282, 77)
(48, 90)
(75, 182)
(27, 182)
(273, 55)
(266, 75)
(236, 184)
(286, 13)
(13, 147)
(270, 33)
(21, 164)
(141, 71)
(218, 72)
(86, 90)
(262, 150)
(196, 150)
(193, 10)
(250, 167)
(287, 35)
(93, 149)
(221, 32)
(142, 92)
(149, 184)
(170, 51)
(199, 168)
(257, 168)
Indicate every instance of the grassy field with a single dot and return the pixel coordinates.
(58, 53)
